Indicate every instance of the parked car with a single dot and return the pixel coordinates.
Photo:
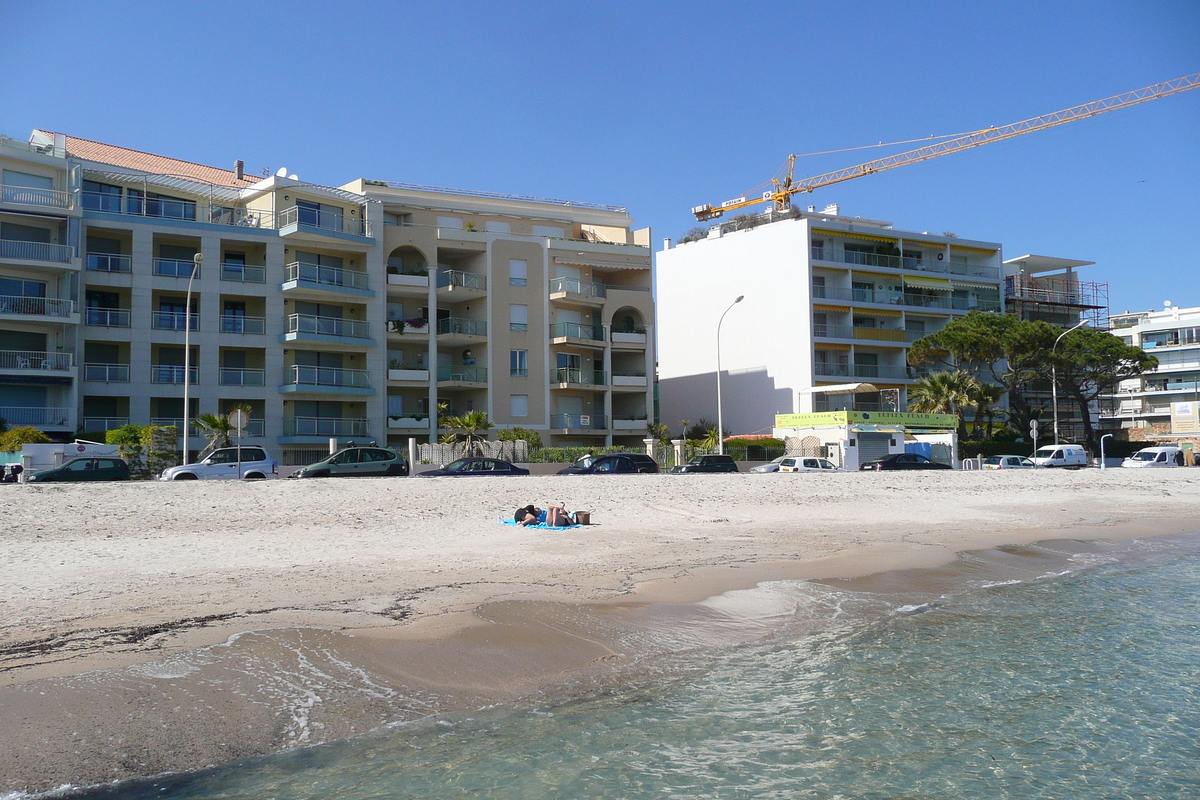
(85, 469)
(226, 463)
(1168, 455)
(616, 463)
(770, 466)
(800, 464)
(475, 467)
(357, 462)
(1008, 462)
(1071, 456)
(712, 463)
(903, 461)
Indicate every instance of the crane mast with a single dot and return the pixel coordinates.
(783, 190)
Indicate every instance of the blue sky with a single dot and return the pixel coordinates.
(662, 106)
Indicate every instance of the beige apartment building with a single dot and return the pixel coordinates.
(344, 313)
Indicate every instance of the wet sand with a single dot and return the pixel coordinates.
(157, 627)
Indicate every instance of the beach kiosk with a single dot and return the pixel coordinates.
(851, 437)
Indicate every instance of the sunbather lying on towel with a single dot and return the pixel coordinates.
(553, 515)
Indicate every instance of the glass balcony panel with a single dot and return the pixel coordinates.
(466, 280)
(174, 321)
(107, 317)
(596, 422)
(324, 426)
(328, 326)
(104, 262)
(240, 376)
(459, 372)
(328, 276)
(469, 327)
(104, 423)
(240, 273)
(106, 373)
(236, 323)
(170, 373)
(575, 330)
(302, 375)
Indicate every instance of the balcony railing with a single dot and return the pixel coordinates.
(172, 422)
(324, 426)
(106, 373)
(34, 359)
(35, 416)
(893, 298)
(241, 273)
(583, 377)
(106, 317)
(874, 334)
(36, 306)
(328, 276)
(595, 422)
(174, 320)
(863, 371)
(236, 323)
(459, 372)
(973, 269)
(33, 196)
(171, 373)
(36, 251)
(468, 327)
(328, 326)
(576, 330)
(175, 267)
(576, 286)
(105, 262)
(326, 220)
(465, 280)
(241, 376)
(302, 375)
(104, 423)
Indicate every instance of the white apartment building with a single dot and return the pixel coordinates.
(1161, 404)
(309, 303)
(829, 300)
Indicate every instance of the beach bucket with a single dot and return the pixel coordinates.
(583, 518)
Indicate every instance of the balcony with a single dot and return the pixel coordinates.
(315, 279)
(241, 376)
(570, 377)
(33, 196)
(405, 374)
(106, 317)
(462, 375)
(322, 223)
(36, 416)
(106, 373)
(459, 330)
(174, 321)
(326, 380)
(409, 281)
(628, 339)
(871, 334)
(629, 424)
(324, 426)
(309, 327)
(97, 424)
(237, 323)
(37, 307)
(573, 290)
(973, 269)
(175, 268)
(577, 333)
(104, 262)
(579, 422)
(172, 373)
(33, 360)
(862, 371)
(240, 273)
(181, 209)
(459, 285)
(412, 422)
(628, 380)
(14, 250)
(942, 300)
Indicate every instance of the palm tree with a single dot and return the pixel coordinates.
(218, 427)
(984, 399)
(470, 428)
(944, 393)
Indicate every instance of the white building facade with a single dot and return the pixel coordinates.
(829, 300)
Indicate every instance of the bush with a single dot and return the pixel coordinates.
(569, 455)
(12, 440)
(148, 449)
(531, 437)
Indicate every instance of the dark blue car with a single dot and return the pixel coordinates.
(475, 467)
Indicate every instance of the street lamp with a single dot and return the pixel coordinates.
(1102, 438)
(720, 419)
(1054, 375)
(197, 260)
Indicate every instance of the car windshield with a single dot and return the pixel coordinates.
(458, 466)
(993, 460)
(1144, 456)
(1046, 452)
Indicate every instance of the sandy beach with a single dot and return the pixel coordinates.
(156, 627)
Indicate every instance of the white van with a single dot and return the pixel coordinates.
(1072, 456)
(1167, 455)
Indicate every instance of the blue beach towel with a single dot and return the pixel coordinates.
(540, 525)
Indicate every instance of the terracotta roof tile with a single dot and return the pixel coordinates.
(148, 162)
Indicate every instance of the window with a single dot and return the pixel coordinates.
(518, 317)
(397, 219)
(864, 292)
(518, 405)
(101, 197)
(818, 286)
(320, 215)
(455, 223)
(517, 272)
(518, 366)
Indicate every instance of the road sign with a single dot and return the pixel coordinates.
(239, 419)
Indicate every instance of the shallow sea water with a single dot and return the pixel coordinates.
(1077, 678)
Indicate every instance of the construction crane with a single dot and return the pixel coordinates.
(781, 194)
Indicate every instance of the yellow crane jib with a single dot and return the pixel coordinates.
(783, 191)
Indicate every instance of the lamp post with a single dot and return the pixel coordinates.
(197, 260)
(720, 418)
(1102, 438)
(1054, 375)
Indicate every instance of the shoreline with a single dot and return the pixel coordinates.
(142, 616)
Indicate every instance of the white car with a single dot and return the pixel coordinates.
(770, 466)
(223, 463)
(1162, 456)
(1008, 462)
(798, 464)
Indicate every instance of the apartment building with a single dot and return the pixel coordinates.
(333, 312)
(1161, 404)
(830, 300)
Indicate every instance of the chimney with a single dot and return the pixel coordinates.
(239, 168)
(666, 244)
